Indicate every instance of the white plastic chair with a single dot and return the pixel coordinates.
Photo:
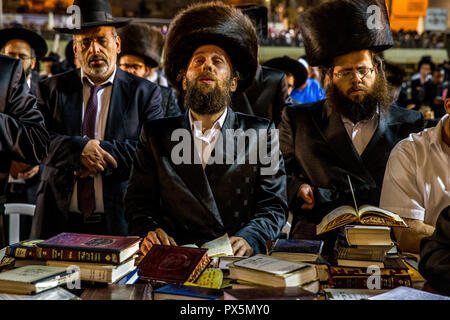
(14, 210)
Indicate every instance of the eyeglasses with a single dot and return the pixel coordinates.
(134, 67)
(348, 74)
(102, 41)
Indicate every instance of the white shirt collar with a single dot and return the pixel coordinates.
(374, 117)
(109, 80)
(197, 128)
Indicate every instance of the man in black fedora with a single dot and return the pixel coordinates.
(351, 133)
(94, 115)
(296, 73)
(141, 55)
(28, 46)
(267, 95)
(210, 53)
(22, 129)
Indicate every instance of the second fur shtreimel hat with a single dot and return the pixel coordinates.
(339, 27)
(212, 23)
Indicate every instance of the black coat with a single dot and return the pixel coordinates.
(169, 102)
(133, 101)
(23, 136)
(317, 150)
(266, 97)
(434, 263)
(194, 205)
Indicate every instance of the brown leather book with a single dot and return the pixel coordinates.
(169, 264)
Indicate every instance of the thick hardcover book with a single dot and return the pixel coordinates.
(297, 250)
(34, 279)
(360, 282)
(97, 272)
(170, 264)
(89, 248)
(182, 292)
(262, 269)
(27, 249)
(261, 293)
(354, 257)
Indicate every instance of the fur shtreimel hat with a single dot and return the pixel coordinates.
(212, 23)
(339, 27)
(141, 40)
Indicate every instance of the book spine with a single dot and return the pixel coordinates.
(386, 282)
(77, 255)
(22, 253)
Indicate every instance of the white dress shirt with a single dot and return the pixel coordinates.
(205, 142)
(417, 179)
(361, 132)
(103, 102)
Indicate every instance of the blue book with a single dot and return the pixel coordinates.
(297, 250)
(182, 292)
(130, 278)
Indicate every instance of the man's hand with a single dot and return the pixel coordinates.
(241, 247)
(159, 236)
(95, 159)
(306, 193)
(21, 170)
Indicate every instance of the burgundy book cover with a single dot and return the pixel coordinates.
(172, 264)
(89, 242)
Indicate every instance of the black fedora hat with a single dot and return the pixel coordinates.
(290, 65)
(32, 38)
(95, 13)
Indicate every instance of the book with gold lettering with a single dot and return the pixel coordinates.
(88, 248)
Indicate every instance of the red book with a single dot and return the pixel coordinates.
(169, 264)
(89, 248)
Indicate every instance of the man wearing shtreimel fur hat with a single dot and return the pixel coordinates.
(184, 188)
(351, 133)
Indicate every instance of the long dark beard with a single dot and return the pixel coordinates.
(378, 96)
(211, 102)
(28, 71)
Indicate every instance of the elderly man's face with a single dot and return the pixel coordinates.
(20, 49)
(96, 50)
(354, 74)
(208, 81)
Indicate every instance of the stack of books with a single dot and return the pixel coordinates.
(264, 270)
(364, 251)
(99, 258)
(306, 251)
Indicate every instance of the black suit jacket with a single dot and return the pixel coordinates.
(23, 136)
(318, 151)
(434, 263)
(266, 97)
(194, 205)
(169, 102)
(133, 101)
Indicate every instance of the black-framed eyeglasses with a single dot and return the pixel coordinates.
(348, 74)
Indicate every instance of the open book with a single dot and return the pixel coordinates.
(365, 214)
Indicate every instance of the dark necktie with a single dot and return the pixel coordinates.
(85, 189)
